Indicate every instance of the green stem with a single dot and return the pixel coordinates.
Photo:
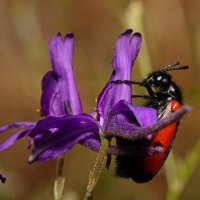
(172, 176)
(96, 171)
(60, 180)
(183, 171)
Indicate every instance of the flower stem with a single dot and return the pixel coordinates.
(95, 173)
(60, 180)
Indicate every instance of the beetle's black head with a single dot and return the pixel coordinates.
(157, 80)
(159, 83)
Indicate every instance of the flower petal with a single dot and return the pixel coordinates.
(60, 134)
(93, 142)
(124, 124)
(126, 51)
(11, 140)
(126, 119)
(52, 123)
(61, 54)
(16, 125)
(50, 99)
(145, 116)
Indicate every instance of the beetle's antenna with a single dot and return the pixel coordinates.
(173, 66)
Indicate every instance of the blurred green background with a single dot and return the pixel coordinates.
(171, 31)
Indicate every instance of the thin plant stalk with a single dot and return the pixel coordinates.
(183, 169)
(60, 179)
(96, 171)
(173, 181)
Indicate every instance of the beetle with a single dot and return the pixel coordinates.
(165, 96)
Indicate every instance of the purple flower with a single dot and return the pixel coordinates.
(61, 106)
(65, 124)
(115, 115)
(50, 144)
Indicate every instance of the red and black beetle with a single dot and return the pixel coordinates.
(165, 96)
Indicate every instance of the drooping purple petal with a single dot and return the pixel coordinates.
(126, 50)
(56, 135)
(62, 90)
(52, 123)
(11, 140)
(16, 136)
(16, 125)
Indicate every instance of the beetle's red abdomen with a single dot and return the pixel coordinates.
(146, 167)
